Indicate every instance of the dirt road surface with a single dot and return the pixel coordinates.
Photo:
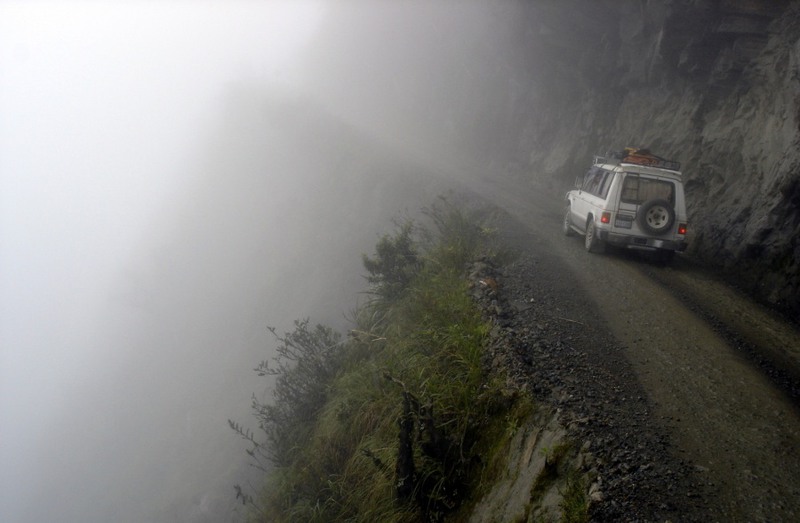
(719, 372)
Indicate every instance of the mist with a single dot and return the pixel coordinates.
(176, 177)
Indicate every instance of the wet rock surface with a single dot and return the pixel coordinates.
(712, 85)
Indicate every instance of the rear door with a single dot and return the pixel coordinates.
(637, 189)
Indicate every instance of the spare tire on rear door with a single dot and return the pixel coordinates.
(656, 217)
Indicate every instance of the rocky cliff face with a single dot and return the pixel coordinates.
(713, 84)
(538, 88)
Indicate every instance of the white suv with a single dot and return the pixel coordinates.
(632, 200)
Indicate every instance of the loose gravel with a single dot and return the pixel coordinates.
(552, 342)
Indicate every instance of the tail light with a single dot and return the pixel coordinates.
(682, 228)
(605, 217)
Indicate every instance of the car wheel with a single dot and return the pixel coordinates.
(656, 217)
(592, 242)
(568, 223)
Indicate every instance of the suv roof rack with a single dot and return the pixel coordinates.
(635, 156)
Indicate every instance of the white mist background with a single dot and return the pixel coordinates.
(177, 176)
(106, 387)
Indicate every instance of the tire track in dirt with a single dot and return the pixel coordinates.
(724, 414)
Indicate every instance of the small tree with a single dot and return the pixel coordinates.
(395, 264)
(306, 363)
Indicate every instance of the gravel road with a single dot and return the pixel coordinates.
(685, 389)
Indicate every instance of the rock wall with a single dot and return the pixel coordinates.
(713, 84)
(539, 87)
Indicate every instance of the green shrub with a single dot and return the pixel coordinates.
(394, 265)
(390, 424)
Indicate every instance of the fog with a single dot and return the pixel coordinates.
(175, 177)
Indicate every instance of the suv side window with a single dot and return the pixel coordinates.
(591, 180)
(637, 190)
(597, 182)
(606, 185)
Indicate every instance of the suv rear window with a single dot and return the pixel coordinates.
(637, 190)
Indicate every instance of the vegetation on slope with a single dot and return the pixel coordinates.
(400, 421)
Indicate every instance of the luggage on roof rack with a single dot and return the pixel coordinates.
(636, 156)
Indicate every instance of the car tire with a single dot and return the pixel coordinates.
(591, 241)
(656, 217)
(567, 224)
